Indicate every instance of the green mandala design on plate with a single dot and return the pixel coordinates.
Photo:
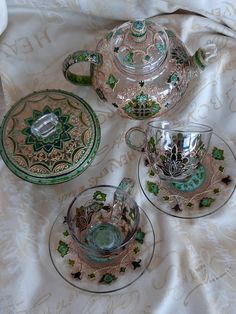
(194, 182)
(141, 107)
(218, 153)
(54, 140)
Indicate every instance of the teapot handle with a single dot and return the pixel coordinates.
(76, 57)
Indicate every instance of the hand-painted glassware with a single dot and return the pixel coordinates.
(174, 149)
(103, 221)
(141, 68)
(49, 137)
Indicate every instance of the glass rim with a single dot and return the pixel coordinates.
(103, 251)
(203, 128)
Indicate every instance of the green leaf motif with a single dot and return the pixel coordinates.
(218, 153)
(99, 196)
(63, 248)
(152, 188)
(151, 145)
(112, 81)
(66, 233)
(140, 236)
(107, 278)
(206, 202)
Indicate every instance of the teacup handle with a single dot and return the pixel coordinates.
(76, 57)
(136, 139)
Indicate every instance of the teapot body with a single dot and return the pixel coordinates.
(140, 68)
(141, 96)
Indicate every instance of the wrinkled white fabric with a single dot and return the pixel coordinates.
(194, 266)
(3, 16)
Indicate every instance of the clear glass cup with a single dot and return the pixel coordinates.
(174, 149)
(103, 221)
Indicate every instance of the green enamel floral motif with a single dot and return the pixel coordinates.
(152, 188)
(140, 236)
(91, 276)
(147, 58)
(107, 278)
(151, 173)
(194, 182)
(216, 191)
(136, 250)
(141, 107)
(206, 202)
(151, 145)
(218, 153)
(161, 47)
(66, 233)
(169, 33)
(173, 79)
(54, 140)
(122, 269)
(128, 59)
(112, 81)
(99, 196)
(63, 248)
(190, 204)
(71, 262)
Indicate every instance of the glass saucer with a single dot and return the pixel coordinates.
(76, 272)
(206, 191)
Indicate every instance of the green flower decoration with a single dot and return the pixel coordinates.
(140, 236)
(54, 140)
(107, 278)
(206, 202)
(66, 233)
(99, 196)
(218, 153)
(173, 79)
(141, 107)
(152, 188)
(63, 248)
(151, 145)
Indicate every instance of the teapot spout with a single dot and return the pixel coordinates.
(204, 56)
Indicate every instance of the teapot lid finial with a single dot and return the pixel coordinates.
(139, 30)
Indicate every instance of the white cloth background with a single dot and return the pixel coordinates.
(194, 266)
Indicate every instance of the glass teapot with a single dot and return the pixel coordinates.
(141, 68)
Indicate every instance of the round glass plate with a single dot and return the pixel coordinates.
(206, 191)
(76, 272)
(49, 137)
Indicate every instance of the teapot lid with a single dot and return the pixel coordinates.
(139, 46)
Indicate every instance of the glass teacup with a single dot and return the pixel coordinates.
(174, 149)
(103, 221)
